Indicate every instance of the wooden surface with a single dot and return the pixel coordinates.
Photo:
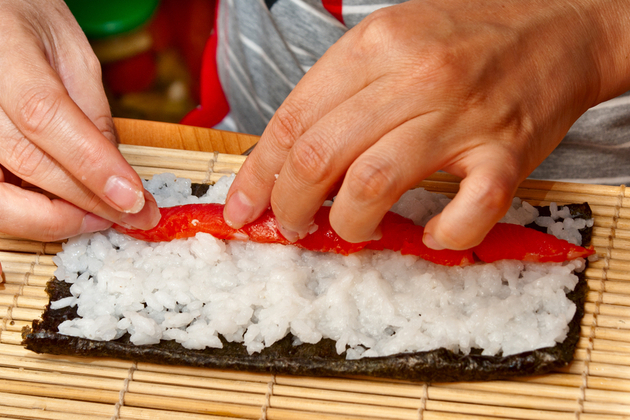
(184, 137)
(596, 386)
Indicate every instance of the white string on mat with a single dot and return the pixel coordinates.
(208, 178)
(423, 401)
(123, 391)
(268, 395)
(598, 302)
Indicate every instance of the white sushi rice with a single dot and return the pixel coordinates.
(372, 303)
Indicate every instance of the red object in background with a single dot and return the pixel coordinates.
(185, 25)
(334, 7)
(133, 74)
(213, 103)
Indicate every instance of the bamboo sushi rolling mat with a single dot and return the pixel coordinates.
(595, 386)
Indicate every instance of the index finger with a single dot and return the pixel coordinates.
(35, 99)
(322, 89)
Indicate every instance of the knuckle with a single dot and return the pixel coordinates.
(88, 158)
(286, 126)
(93, 66)
(105, 123)
(26, 160)
(371, 179)
(491, 193)
(313, 160)
(37, 110)
(376, 32)
(92, 203)
(439, 64)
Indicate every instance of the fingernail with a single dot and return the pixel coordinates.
(431, 242)
(290, 235)
(238, 211)
(124, 194)
(145, 219)
(93, 223)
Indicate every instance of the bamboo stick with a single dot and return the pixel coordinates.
(133, 413)
(17, 326)
(233, 159)
(81, 370)
(28, 279)
(618, 287)
(613, 264)
(605, 333)
(329, 407)
(237, 384)
(205, 372)
(36, 269)
(571, 187)
(51, 360)
(10, 337)
(39, 414)
(191, 405)
(609, 298)
(603, 357)
(48, 390)
(26, 258)
(168, 163)
(608, 308)
(610, 275)
(29, 246)
(283, 414)
(621, 323)
(32, 291)
(21, 314)
(130, 150)
(56, 405)
(22, 301)
(204, 394)
(149, 172)
(611, 346)
(599, 369)
(597, 389)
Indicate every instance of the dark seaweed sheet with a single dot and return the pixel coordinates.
(319, 359)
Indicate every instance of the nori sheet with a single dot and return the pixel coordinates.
(319, 359)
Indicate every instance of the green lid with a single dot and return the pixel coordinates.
(102, 18)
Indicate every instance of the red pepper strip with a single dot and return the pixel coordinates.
(514, 242)
(505, 241)
(400, 234)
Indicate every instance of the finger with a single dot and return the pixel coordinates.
(38, 168)
(324, 153)
(39, 106)
(378, 177)
(322, 89)
(46, 220)
(484, 197)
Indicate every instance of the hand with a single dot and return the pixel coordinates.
(56, 131)
(483, 89)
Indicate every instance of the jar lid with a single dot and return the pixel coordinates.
(103, 18)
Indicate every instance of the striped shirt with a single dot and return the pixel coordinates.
(266, 46)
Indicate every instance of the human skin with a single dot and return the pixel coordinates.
(57, 133)
(482, 89)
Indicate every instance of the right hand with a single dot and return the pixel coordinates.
(57, 132)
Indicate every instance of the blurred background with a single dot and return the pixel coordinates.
(150, 51)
